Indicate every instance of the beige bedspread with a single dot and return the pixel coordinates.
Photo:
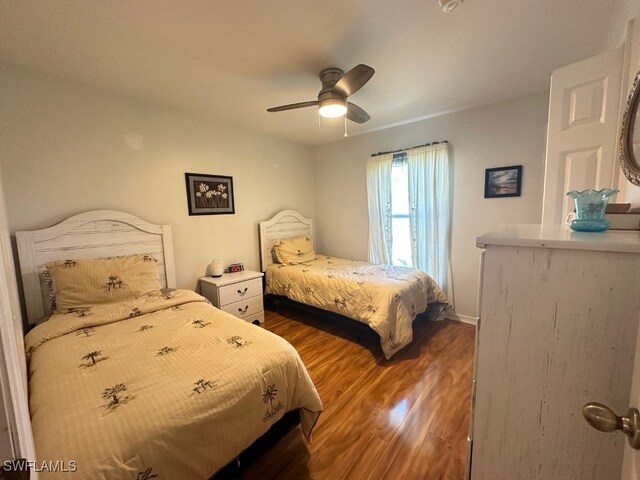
(161, 385)
(385, 297)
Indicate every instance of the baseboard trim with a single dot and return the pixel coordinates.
(452, 315)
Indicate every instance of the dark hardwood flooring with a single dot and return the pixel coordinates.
(406, 418)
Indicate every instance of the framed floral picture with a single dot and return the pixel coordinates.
(209, 194)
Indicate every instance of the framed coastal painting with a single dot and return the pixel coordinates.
(209, 194)
(503, 181)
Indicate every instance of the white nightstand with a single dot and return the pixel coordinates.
(239, 294)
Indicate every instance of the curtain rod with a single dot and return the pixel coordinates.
(405, 149)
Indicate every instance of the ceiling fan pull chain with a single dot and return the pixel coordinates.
(345, 126)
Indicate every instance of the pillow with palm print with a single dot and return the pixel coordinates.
(83, 283)
(295, 250)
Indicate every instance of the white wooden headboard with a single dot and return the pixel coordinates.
(93, 234)
(284, 224)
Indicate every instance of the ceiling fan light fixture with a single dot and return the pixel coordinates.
(332, 108)
(449, 5)
(337, 87)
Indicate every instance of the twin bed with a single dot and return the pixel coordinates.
(156, 384)
(384, 297)
(134, 379)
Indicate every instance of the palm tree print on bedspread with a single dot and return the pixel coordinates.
(269, 396)
(199, 323)
(202, 386)
(340, 302)
(87, 332)
(79, 312)
(237, 341)
(91, 358)
(391, 341)
(166, 351)
(146, 475)
(114, 282)
(115, 397)
(167, 293)
(45, 278)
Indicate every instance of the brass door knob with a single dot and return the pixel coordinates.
(602, 418)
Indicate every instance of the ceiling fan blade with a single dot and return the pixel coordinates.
(357, 114)
(353, 80)
(292, 106)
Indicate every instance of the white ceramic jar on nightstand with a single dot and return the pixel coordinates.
(239, 294)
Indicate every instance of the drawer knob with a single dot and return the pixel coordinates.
(244, 310)
(242, 292)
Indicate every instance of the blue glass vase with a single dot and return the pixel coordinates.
(590, 208)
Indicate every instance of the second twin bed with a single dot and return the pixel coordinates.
(386, 298)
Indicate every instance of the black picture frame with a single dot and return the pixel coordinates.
(209, 194)
(502, 182)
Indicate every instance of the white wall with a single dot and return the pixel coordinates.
(508, 133)
(623, 11)
(67, 148)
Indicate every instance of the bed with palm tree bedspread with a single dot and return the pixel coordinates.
(162, 385)
(385, 297)
(128, 377)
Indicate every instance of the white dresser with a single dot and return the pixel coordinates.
(238, 293)
(559, 313)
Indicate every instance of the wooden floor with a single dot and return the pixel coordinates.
(406, 418)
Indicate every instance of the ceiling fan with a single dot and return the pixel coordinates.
(337, 86)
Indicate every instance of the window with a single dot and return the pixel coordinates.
(409, 210)
(400, 225)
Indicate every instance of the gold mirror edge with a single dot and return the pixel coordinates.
(628, 162)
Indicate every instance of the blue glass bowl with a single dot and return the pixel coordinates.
(589, 225)
(591, 206)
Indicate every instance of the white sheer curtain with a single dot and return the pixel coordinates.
(430, 212)
(379, 199)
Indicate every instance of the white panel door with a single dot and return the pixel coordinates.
(584, 104)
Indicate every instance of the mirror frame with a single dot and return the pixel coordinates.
(628, 162)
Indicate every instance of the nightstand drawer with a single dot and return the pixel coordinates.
(239, 291)
(244, 308)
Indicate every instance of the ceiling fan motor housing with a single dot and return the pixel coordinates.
(329, 77)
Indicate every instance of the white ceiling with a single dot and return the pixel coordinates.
(233, 59)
